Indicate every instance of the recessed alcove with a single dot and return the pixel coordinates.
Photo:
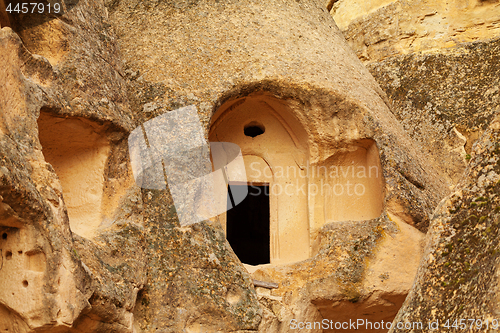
(274, 148)
(346, 184)
(78, 151)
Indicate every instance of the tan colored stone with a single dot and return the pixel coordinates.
(436, 60)
(458, 274)
(303, 197)
(276, 158)
(4, 18)
(220, 62)
(78, 152)
(340, 284)
(444, 99)
(102, 255)
(46, 282)
(380, 28)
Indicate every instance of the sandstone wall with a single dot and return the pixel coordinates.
(221, 54)
(458, 275)
(438, 63)
(378, 29)
(56, 279)
(444, 99)
(95, 253)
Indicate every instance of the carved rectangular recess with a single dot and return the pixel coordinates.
(78, 151)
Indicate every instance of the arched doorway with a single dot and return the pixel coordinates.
(274, 148)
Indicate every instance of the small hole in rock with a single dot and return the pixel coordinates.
(8, 255)
(254, 129)
(25, 283)
(4, 235)
(20, 252)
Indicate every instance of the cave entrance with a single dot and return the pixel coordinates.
(274, 147)
(248, 224)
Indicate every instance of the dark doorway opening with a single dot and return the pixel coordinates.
(247, 225)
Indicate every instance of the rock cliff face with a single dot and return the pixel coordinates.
(458, 276)
(437, 62)
(84, 249)
(377, 29)
(64, 118)
(215, 57)
(444, 99)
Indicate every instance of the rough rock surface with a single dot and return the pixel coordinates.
(357, 274)
(458, 277)
(377, 29)
(137, 270)
(218, 52)
(437, 62)
(445, 99)
(69, 281)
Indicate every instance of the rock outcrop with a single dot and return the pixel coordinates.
(64, 121)
(83, 248)
(445, 99)
(377, 29)
(220, 55)
(437, 62)
(458, 279)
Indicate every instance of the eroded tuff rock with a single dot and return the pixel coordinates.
(458, 277)
(87, 280)
(95, 253)
(437, 62)
(377, 29)
(224, 57)
(444, 99)
(50, 106)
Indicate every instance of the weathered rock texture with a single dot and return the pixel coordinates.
(377, 29)
(67, 280)
(83, 249)
(438, 63)
(219, 53)
(358, 273)
(458, 277)
(444, 99)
